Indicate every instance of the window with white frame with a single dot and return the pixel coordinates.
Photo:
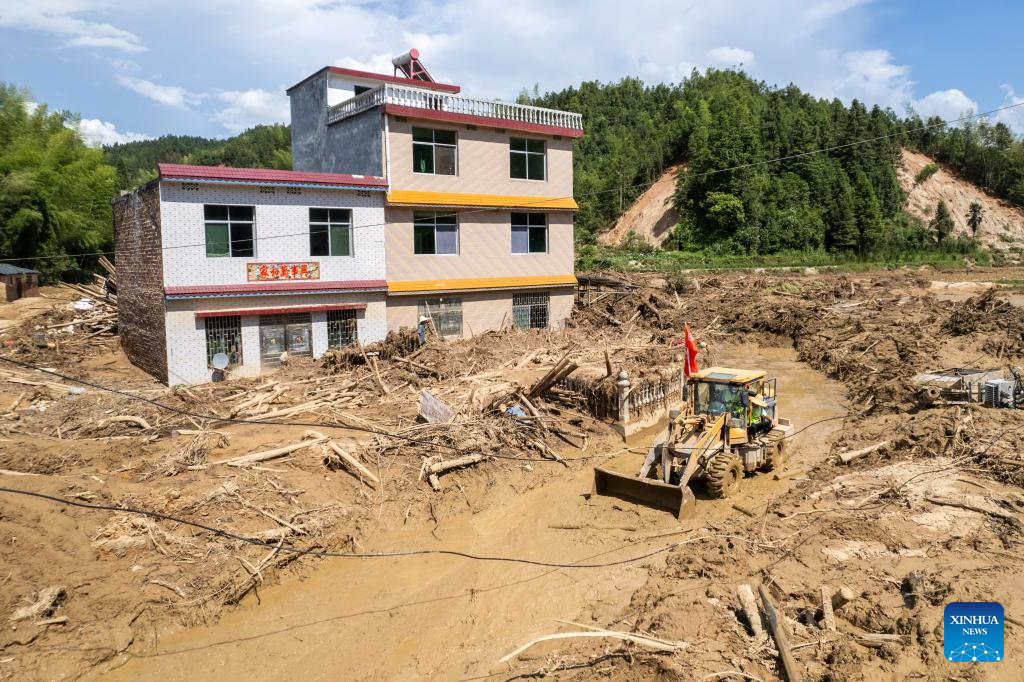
(224, 335)
(435, 233)
(330, 232)
(530, 311)
(434, 151)
(527, 159)
(529, 233)
(229, 231)
(446, 314)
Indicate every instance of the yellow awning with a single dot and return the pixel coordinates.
(480, 283)
(404, 197)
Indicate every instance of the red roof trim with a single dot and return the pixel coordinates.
(275, 287)
(430, 85)
(176, 171)
(432, 115)
(279, 311)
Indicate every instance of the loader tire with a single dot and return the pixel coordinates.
(724, 475)
(775, 452)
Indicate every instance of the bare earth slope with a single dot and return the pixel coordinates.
(1002, 225)
(652, 216)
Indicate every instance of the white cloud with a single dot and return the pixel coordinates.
(872, 77)
(1014, 118)
(377, 63)
(252, 107)
(731, 56)
(62, 18)
(170, 95)
(96, 133)
(948, 105)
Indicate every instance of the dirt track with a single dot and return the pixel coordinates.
(869, 527)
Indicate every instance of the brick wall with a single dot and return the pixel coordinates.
(140, 294)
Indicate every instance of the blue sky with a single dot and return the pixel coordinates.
(137, 69)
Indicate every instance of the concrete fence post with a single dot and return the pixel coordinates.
(623, 385)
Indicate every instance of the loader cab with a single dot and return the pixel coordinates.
(724, 389)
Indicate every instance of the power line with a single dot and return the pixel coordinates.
(544, 200)
(220, 532)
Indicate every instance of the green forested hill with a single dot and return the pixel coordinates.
(265, 146)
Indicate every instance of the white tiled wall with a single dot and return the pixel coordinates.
(186, 335)
(281, 231)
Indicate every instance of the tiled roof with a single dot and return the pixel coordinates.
(8, 269)
(175, 171)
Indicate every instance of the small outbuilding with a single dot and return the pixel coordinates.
(18, 282)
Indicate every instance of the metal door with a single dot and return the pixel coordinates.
(272, 340)
(298, 334)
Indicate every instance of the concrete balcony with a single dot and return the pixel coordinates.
(430, 104)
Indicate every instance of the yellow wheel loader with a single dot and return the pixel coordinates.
(729, 425)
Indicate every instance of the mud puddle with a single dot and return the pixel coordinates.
(442, 617)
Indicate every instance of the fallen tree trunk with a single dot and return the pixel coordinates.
(269, 454)
(847, 457)
(779, 635)
(353, 463)
(749, 605)
(650, 642)
(446, 464)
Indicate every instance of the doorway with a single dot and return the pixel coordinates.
(291, 333)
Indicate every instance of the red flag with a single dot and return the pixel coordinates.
(690, 362)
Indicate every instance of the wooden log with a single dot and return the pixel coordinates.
(966, 503)
(373, 366)
(789, 474)
(288, 411)
(607, 365)
(269, 454)
(876, 640)
(545, 381)
(445, 465)
(828, 616)
(749, 606)
(353, 462)
(417, 365)
(744, 510)
(847, 457)
(779, 635)
(125, 419)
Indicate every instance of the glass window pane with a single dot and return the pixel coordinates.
(423, 240)
(447, 237)
(538, 219)
(423, 217)
(422, 158)
(216, 239)
(445, 219)
(520, 219)
(517, 165)
(517, 144)
(215, 212)
(341, 215)
(241, 240)
(318, 245)
(318, 215)
(535, 146)
(444, 160)
(521, 316)
(422, 135)
(341, 240)
(444, 136)
(536, 166)
(241, 213)
(538, 239)
(520, 239)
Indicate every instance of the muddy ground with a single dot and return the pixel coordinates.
(154, 599)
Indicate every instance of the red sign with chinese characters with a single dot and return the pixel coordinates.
(269, 272)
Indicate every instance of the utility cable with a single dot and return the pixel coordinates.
(544, 200)
(220, 532)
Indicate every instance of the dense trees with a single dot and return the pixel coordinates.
(54, 191)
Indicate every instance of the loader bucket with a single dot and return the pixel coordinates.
(649, 491)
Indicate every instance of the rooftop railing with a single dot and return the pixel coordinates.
(429, 100)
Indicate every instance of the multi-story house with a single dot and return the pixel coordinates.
(480, 205)
(254, 264)
(407, 202)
